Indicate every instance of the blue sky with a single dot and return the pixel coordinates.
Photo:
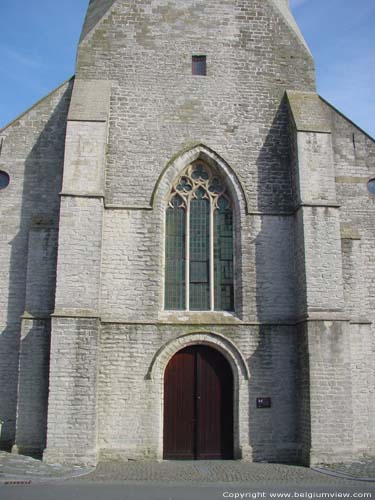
(38, 41)
(341, 37)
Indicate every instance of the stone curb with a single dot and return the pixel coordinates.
(342, 475)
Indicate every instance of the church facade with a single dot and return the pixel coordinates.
(187, 248)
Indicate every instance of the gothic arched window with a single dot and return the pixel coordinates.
(199, 242)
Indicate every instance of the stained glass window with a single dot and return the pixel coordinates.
(223, 254)
(175, 255)
(199, 252)
(199, 242)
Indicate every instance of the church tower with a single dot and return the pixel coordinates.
(205, 244)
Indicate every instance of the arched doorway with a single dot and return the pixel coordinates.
(198, 405)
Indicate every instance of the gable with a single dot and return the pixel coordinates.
(95, 12)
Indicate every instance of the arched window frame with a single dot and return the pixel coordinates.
(200, 180)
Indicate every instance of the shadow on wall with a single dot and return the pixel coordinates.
(39, 211)
(274, 173)
(273, 365)
(273, 230)
(273, 368)
(33, 387)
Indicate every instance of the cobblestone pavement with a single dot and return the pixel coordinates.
(18, 467)
(207, 472)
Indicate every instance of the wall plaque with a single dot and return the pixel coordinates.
(263, 402)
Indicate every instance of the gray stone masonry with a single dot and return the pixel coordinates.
(76, 338)
(354, 156)
(32, 153)
(158, 108)
(83, 234)
(72, 423)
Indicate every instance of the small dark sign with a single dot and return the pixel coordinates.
(263, 402)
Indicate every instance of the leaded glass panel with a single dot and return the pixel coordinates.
(223, 255)
(199, 252)
(199, 222)
(175, 250)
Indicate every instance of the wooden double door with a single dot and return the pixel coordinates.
(198, 405)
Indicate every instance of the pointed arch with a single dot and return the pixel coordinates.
(241, 376)
(202, 263)
(198, 152)
(199, 244)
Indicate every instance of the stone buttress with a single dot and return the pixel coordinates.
(75, 324)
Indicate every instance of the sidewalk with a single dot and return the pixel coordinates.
(363, 469)
(20, 468)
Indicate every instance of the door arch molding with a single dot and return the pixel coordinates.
(216, 340)
(241, 376)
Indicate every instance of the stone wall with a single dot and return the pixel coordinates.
(354, 154)
(32, 153)
(158, 112)
(132, 267)
(287, 222)
(158, 108)
(335, 293)
(72, 404)
(129, 398)
(302, 332)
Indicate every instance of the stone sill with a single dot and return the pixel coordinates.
(323, 316)
(198, 317)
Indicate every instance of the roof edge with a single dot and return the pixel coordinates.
(96, 11)
(346, 118)
(12, 122)
(286, 13)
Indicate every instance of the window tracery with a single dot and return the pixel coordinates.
(199, 242)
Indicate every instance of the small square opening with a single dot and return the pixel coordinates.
(199, 65)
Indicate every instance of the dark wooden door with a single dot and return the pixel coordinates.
(198, 405)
